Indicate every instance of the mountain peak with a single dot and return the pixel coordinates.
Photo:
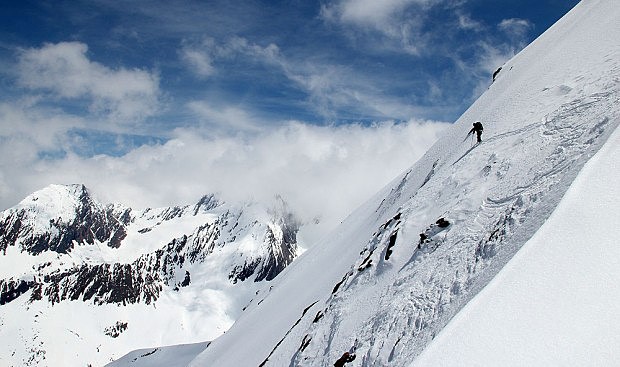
(58, 217)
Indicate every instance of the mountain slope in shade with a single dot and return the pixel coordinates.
(84, 283)
(400, 267)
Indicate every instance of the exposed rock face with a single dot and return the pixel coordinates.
(103, 283)
(281, 244)
(79, 220)
(10, 289)
(59, 218)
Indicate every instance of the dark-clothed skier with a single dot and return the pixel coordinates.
(478, 130)
(346, 358)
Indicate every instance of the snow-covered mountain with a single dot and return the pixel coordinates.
(386, 281)
(84, 283)
(556, 303)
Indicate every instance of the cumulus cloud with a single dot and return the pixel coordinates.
(322, 171)
(27, 135)
(65, 70)
(27, 131)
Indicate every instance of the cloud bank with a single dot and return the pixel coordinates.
(323, 172)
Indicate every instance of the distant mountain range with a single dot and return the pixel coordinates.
(61, 244)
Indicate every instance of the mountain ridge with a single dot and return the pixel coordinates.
(62, 248)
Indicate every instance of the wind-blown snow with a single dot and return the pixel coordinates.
(557, 302)
(175, 356)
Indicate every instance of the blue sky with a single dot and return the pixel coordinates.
(86, 82)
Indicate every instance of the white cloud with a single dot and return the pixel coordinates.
(269, 53)
(200, 62)
(368, 12)
(203, 57)
(398, 23)
(321, 171)
(64, 69)
(493, 56)
(490, 55)
(223, 119)
(331, 88)
(26, 130)
(467, 23)
(515, 27)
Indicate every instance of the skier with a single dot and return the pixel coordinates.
(496, 72)
(478, 130)
(346, 358)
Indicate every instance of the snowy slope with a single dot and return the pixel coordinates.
(368, 286)
(557, 302)
(85, 283)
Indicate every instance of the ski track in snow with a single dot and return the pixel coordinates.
(552, 107)
(556, 301)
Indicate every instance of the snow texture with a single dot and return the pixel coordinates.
(556, 302)
(549, 110)
(176, 356)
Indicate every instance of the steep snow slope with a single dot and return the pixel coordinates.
(557, 302)
(84, 283)
(177, 355)
(372, 285)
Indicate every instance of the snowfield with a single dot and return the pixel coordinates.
(557, 302)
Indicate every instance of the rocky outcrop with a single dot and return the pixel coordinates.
(104, 283)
